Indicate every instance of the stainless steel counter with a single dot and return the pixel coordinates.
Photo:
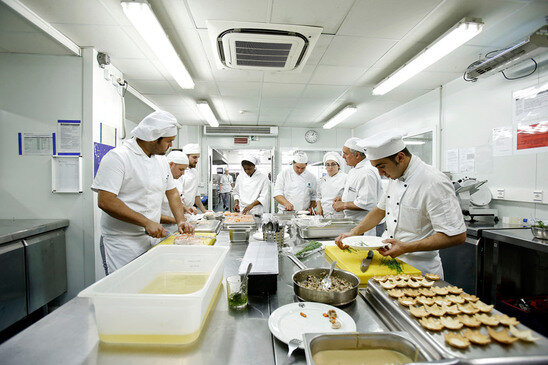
(14, 229)
(518, 237)
(69, 334)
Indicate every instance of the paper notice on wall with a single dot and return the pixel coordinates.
(69, 137)
(66, 174)
(452, 160)
(533, 137)
(35, 144)
(531, 119)
(502, 141)
(467, 159)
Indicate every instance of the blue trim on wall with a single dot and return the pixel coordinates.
(54, 146)
(20, 138)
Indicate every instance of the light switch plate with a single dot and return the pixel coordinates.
(537, 196)
(500, 193)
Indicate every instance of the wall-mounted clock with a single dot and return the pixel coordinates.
(311, 136)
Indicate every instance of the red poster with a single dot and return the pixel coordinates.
(532, 136)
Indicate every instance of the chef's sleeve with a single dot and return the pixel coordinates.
(264, 193)
(280, 184)
(236, 190)
(443, 208)
(110, 174)
(319, 191)
(314, 189)
(367, 194)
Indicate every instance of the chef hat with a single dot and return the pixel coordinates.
(177, 157)
(253, 159)
(352, 143)
(333, 156)
(156, 125)
(191, 149)
(383, 144)
(300, 157)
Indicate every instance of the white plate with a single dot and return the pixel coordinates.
(286, 323)
(303, 212)
(370, 242)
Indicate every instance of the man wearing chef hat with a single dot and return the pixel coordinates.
(295, 188)
(330, 186)
(191, 179)
(421, 209)
(131, 181)
(362, 189)
(252, 190)
(178, 163)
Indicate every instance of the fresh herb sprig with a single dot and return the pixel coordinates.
(393, 264)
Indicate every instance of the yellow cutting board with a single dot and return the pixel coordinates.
(208, 239)
(351, 261)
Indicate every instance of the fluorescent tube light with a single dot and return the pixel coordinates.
(340, 116)
(207, 113)
(455, 37)
(143, 19)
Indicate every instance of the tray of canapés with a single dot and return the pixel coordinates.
(468, 320)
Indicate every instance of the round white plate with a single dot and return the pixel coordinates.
(286, 323)
(370, 242)
(303, 212)
(259, 236)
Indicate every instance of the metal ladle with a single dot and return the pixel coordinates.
(326, 282)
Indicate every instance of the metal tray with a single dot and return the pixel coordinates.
(332, 230)
(398, 318)
(207, 226)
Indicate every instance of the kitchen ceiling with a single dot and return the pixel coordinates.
(362, 42)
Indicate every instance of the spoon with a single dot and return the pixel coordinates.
(244, 279)
(293, 344)
(326, 282)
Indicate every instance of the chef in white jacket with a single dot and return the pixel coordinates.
(363, 188)
(226, 185)
(191, 179)
(178, 163)
(131, 182)
(252, 189)
(295, 188)
(421, 209)
(331, 185)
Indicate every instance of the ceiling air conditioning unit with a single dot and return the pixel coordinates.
(533, 45)
(241, 130)
(261, 46)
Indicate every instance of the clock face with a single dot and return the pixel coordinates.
(311, 136)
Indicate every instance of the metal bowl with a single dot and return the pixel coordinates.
(541, 233)
(332, 298)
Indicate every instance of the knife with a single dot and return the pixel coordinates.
(366, 261)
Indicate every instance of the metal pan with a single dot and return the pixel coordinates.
(332, 298)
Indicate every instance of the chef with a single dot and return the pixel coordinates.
(225, 187)
(331, 185)
(191, 179)
(131, 181)
(252, 189)
(295, 188)
(421, 208)
(178, 163)
(362, 189)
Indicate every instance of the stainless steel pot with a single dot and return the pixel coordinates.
(541, 233)
(332, 298)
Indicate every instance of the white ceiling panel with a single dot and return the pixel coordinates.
(152, 86)
(137, 68)
(274, 116)
(355, 51)
(72, 11)
(336, 75)
(319, 49)
(328, 14)
(243, 10)
(240, 89)
(390, 19)
(292, 77)
(323, 91)
(278, 90)
(284, 103)
(171, 100)
(31, 42)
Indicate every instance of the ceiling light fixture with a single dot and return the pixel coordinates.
(207, 113)
(340, 116)
(143, 19)
(455, 37)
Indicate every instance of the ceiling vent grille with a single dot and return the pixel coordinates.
(240, 131)
(268, 47)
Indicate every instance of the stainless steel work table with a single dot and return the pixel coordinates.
(69, 334)
(15, 229)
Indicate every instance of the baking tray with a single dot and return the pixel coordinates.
(207, 226)
(333, 229)
(398, 318)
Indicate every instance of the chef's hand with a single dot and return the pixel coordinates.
(319, 211)
(155, 230)
(246, 209)
(394, 249)
(288, 206)
(337, 199)
(236, 207)
(339, 239)
(192, 210)
(338, 205)
(185, 227)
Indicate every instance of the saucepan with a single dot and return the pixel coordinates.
(336, 298)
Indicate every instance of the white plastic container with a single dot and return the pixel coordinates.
(124, 315)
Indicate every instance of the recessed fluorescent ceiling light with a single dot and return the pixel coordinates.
(455, 37)
(340, 116)
(143, 19)
(207, 113)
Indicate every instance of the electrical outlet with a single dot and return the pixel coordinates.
(500, 193)
(537, 196)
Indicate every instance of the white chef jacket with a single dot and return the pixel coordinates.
(226, 183)
(363, 188)
(299, 190)
(330, 187)
(418, 204)
(250, 188)
(190, 179)
(141, 183)
(166, 210)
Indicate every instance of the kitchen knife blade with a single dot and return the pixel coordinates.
(366, 261)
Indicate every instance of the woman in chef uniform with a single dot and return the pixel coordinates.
(330, 186)
(421, 209)
(178, 163)
(252, 189)
(295, 188)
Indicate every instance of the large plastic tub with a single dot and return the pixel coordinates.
(124, 315)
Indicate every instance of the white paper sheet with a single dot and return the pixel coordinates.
(467, 158)
(66, 175)
(69, 138)
(452, 160)
(502, 141)
(37, 144)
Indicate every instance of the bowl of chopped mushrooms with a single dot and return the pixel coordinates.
(307, 286)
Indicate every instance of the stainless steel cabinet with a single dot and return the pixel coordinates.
(13, 291)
